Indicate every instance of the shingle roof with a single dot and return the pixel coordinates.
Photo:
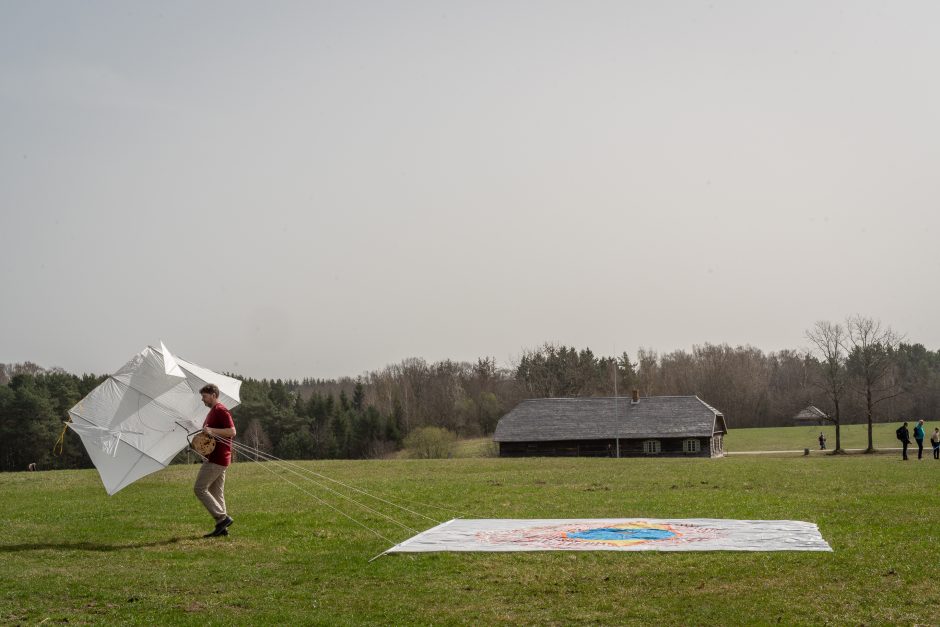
(552, 419)
(811, 413)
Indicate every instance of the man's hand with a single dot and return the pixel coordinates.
(207, 430)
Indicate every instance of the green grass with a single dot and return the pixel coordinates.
(476, 447)
(799, 438)
(69, 553)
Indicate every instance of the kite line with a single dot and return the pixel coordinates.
(312, 476)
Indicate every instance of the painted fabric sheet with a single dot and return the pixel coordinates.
(616, 534)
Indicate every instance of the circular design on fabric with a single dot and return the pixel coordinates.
(584, 536)
(625, 535)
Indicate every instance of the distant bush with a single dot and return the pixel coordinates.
(430, 443)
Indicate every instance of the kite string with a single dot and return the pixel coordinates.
(322, 502)
(343, 496)
(267, 456)
(288, 465)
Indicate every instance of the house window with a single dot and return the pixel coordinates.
(651, 447)
(691, 446)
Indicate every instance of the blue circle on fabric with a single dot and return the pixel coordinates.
(612, 533)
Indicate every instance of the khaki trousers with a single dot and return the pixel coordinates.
(210, 489)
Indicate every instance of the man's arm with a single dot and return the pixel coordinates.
(228, 432)
(222, 432)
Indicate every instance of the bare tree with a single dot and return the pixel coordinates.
(257, 439)
(647, 370)
(830, 340)
(871, 350)
(789, 386)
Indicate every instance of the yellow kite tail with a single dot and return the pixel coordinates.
(60, 443)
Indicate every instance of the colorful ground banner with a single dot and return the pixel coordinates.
(616, 534)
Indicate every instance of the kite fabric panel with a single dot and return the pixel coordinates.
(616, 534)
(137, 420)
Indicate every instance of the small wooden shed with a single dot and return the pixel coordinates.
(677, 426)
(810, 416)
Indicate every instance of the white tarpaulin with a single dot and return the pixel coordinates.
(139, 418)
(616, 534)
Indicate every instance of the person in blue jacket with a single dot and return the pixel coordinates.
(919, 438)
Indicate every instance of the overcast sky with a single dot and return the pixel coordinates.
(324, 188)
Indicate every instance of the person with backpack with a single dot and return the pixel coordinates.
(935, 440)
(919, 438)
(905, 436)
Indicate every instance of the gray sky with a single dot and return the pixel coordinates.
(324, 188)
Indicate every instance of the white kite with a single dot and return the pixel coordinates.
(136, 421)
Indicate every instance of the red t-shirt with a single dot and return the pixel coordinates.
(219, 417)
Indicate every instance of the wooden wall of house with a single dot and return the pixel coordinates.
(718, 445)
(565, 448)
(669, 447)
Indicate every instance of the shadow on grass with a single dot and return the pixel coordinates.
(84, 546)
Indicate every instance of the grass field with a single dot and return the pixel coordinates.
(72, 554)
(799, 438)
(476, 447)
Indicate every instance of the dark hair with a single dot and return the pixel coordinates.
(210, 388)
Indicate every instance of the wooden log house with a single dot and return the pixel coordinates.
(673, 426)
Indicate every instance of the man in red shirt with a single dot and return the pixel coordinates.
(210, 482)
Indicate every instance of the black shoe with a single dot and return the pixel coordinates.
(221, 528)
(216, 534)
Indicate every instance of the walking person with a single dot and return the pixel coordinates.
(210, 482)
(935, 440)
(822, 441)
(919, 438)
(905, 436)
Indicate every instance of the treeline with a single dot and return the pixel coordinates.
(369, 416)
(33, 405)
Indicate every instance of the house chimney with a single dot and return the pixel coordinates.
(636, 396)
